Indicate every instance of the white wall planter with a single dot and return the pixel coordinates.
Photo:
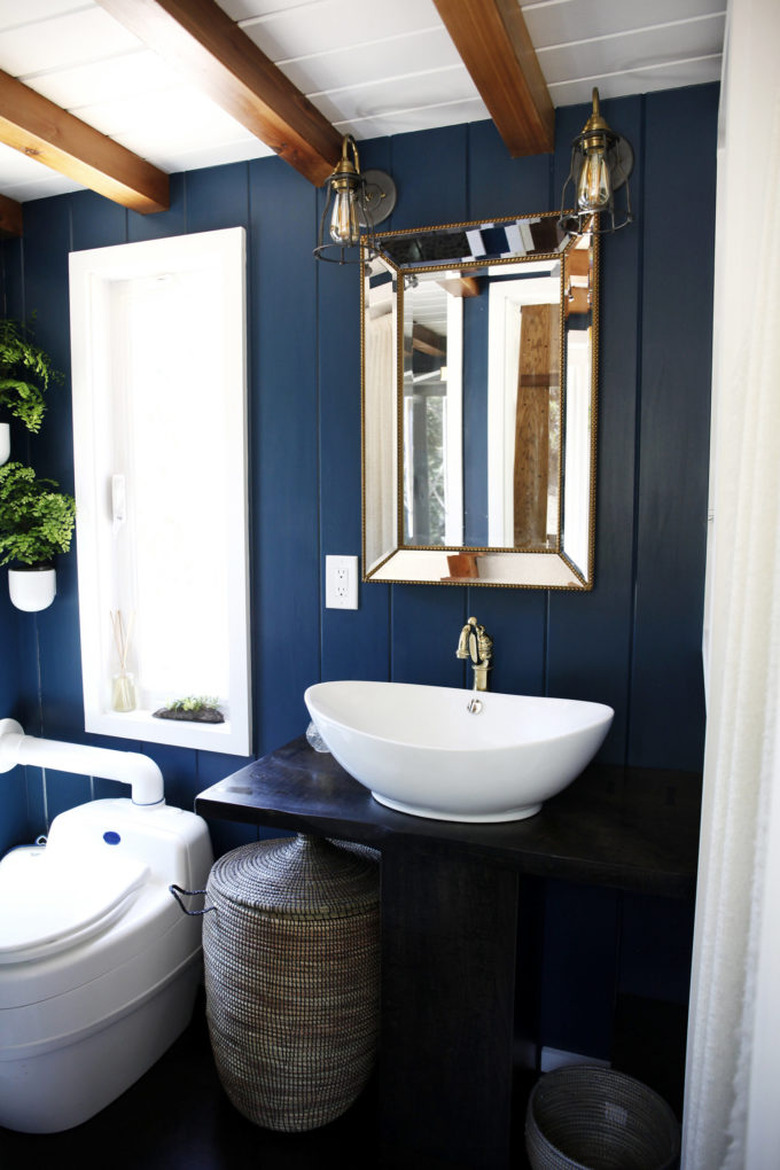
(5, 442)
(32, 588)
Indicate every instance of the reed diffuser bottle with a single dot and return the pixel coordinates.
(123, 697)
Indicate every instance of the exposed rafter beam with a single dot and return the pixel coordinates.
(10, 217)
(493, 41)
(219, 58)
(38, 128)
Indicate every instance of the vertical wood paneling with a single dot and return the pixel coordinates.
(500, 185)
(218, 197)
(96, 222)
(430, 170)
(667, 707)
(46, 246)
(172, 222)
(49, 674)
(18, 636)
(354, 644)
(305, 438)
(589, 652)
(283, 355)
(13, 278)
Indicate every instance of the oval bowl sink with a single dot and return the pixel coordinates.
(423, 750)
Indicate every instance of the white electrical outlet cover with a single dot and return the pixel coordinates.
(341, 582)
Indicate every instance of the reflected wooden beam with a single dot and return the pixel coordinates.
(426, 340)
(10, 217)
(461, 286)
(493, 41)
(223, 62)
(38, 128)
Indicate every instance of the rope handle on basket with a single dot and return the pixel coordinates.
(177, 890)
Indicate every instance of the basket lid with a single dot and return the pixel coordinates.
(303, 874)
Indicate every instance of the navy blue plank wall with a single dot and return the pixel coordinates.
(632, 642)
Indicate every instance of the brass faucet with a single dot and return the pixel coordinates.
(475, 643)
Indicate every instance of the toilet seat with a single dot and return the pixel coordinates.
(47, 907)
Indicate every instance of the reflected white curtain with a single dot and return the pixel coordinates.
(379, 466)
(732, 1113)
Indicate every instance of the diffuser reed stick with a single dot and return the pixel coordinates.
(123, 683)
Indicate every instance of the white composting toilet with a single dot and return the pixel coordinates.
(99, 967)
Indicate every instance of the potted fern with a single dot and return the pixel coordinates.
(25, 374)
(36, 523)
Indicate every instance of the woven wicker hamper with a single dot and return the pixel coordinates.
(291, 957)
(586, 1117)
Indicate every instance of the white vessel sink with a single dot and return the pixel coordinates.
(422, 750)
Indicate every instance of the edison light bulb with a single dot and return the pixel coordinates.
(594, 190)
(344, 221)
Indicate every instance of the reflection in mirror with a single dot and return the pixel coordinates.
(479, 405)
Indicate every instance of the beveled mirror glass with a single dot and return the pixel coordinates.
(479, 405)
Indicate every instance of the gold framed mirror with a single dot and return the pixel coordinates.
(479, 375)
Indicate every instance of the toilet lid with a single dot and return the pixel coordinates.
(46, 906)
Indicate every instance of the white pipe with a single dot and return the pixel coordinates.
(139, 771)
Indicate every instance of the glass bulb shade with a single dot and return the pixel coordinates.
(594, 188)
(345, 219)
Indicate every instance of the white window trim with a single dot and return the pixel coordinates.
(91, 273)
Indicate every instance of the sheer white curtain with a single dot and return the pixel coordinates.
(732, 1113)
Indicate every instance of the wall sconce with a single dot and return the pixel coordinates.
(357, 201)
(601, 162)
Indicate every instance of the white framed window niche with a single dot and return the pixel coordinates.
(158, 348)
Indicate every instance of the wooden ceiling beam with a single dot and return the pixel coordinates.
(38, 128)
(223, 62)
(10, 217)
(493, 42)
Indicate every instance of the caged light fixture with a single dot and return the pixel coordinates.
(357, 201)
(601, 163)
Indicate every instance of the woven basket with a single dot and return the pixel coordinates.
(291, 958)
(587, 1117)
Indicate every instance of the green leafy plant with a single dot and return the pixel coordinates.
(36, 520)
(198, 708)
(192, 703)
(26, 372)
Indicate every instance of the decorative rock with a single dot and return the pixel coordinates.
(203, 715)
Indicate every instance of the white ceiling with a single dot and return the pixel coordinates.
(372, 67)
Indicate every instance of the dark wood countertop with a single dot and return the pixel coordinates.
(634, 829)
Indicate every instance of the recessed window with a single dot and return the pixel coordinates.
(159, 416)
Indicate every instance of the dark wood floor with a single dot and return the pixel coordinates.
(177, 1116)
